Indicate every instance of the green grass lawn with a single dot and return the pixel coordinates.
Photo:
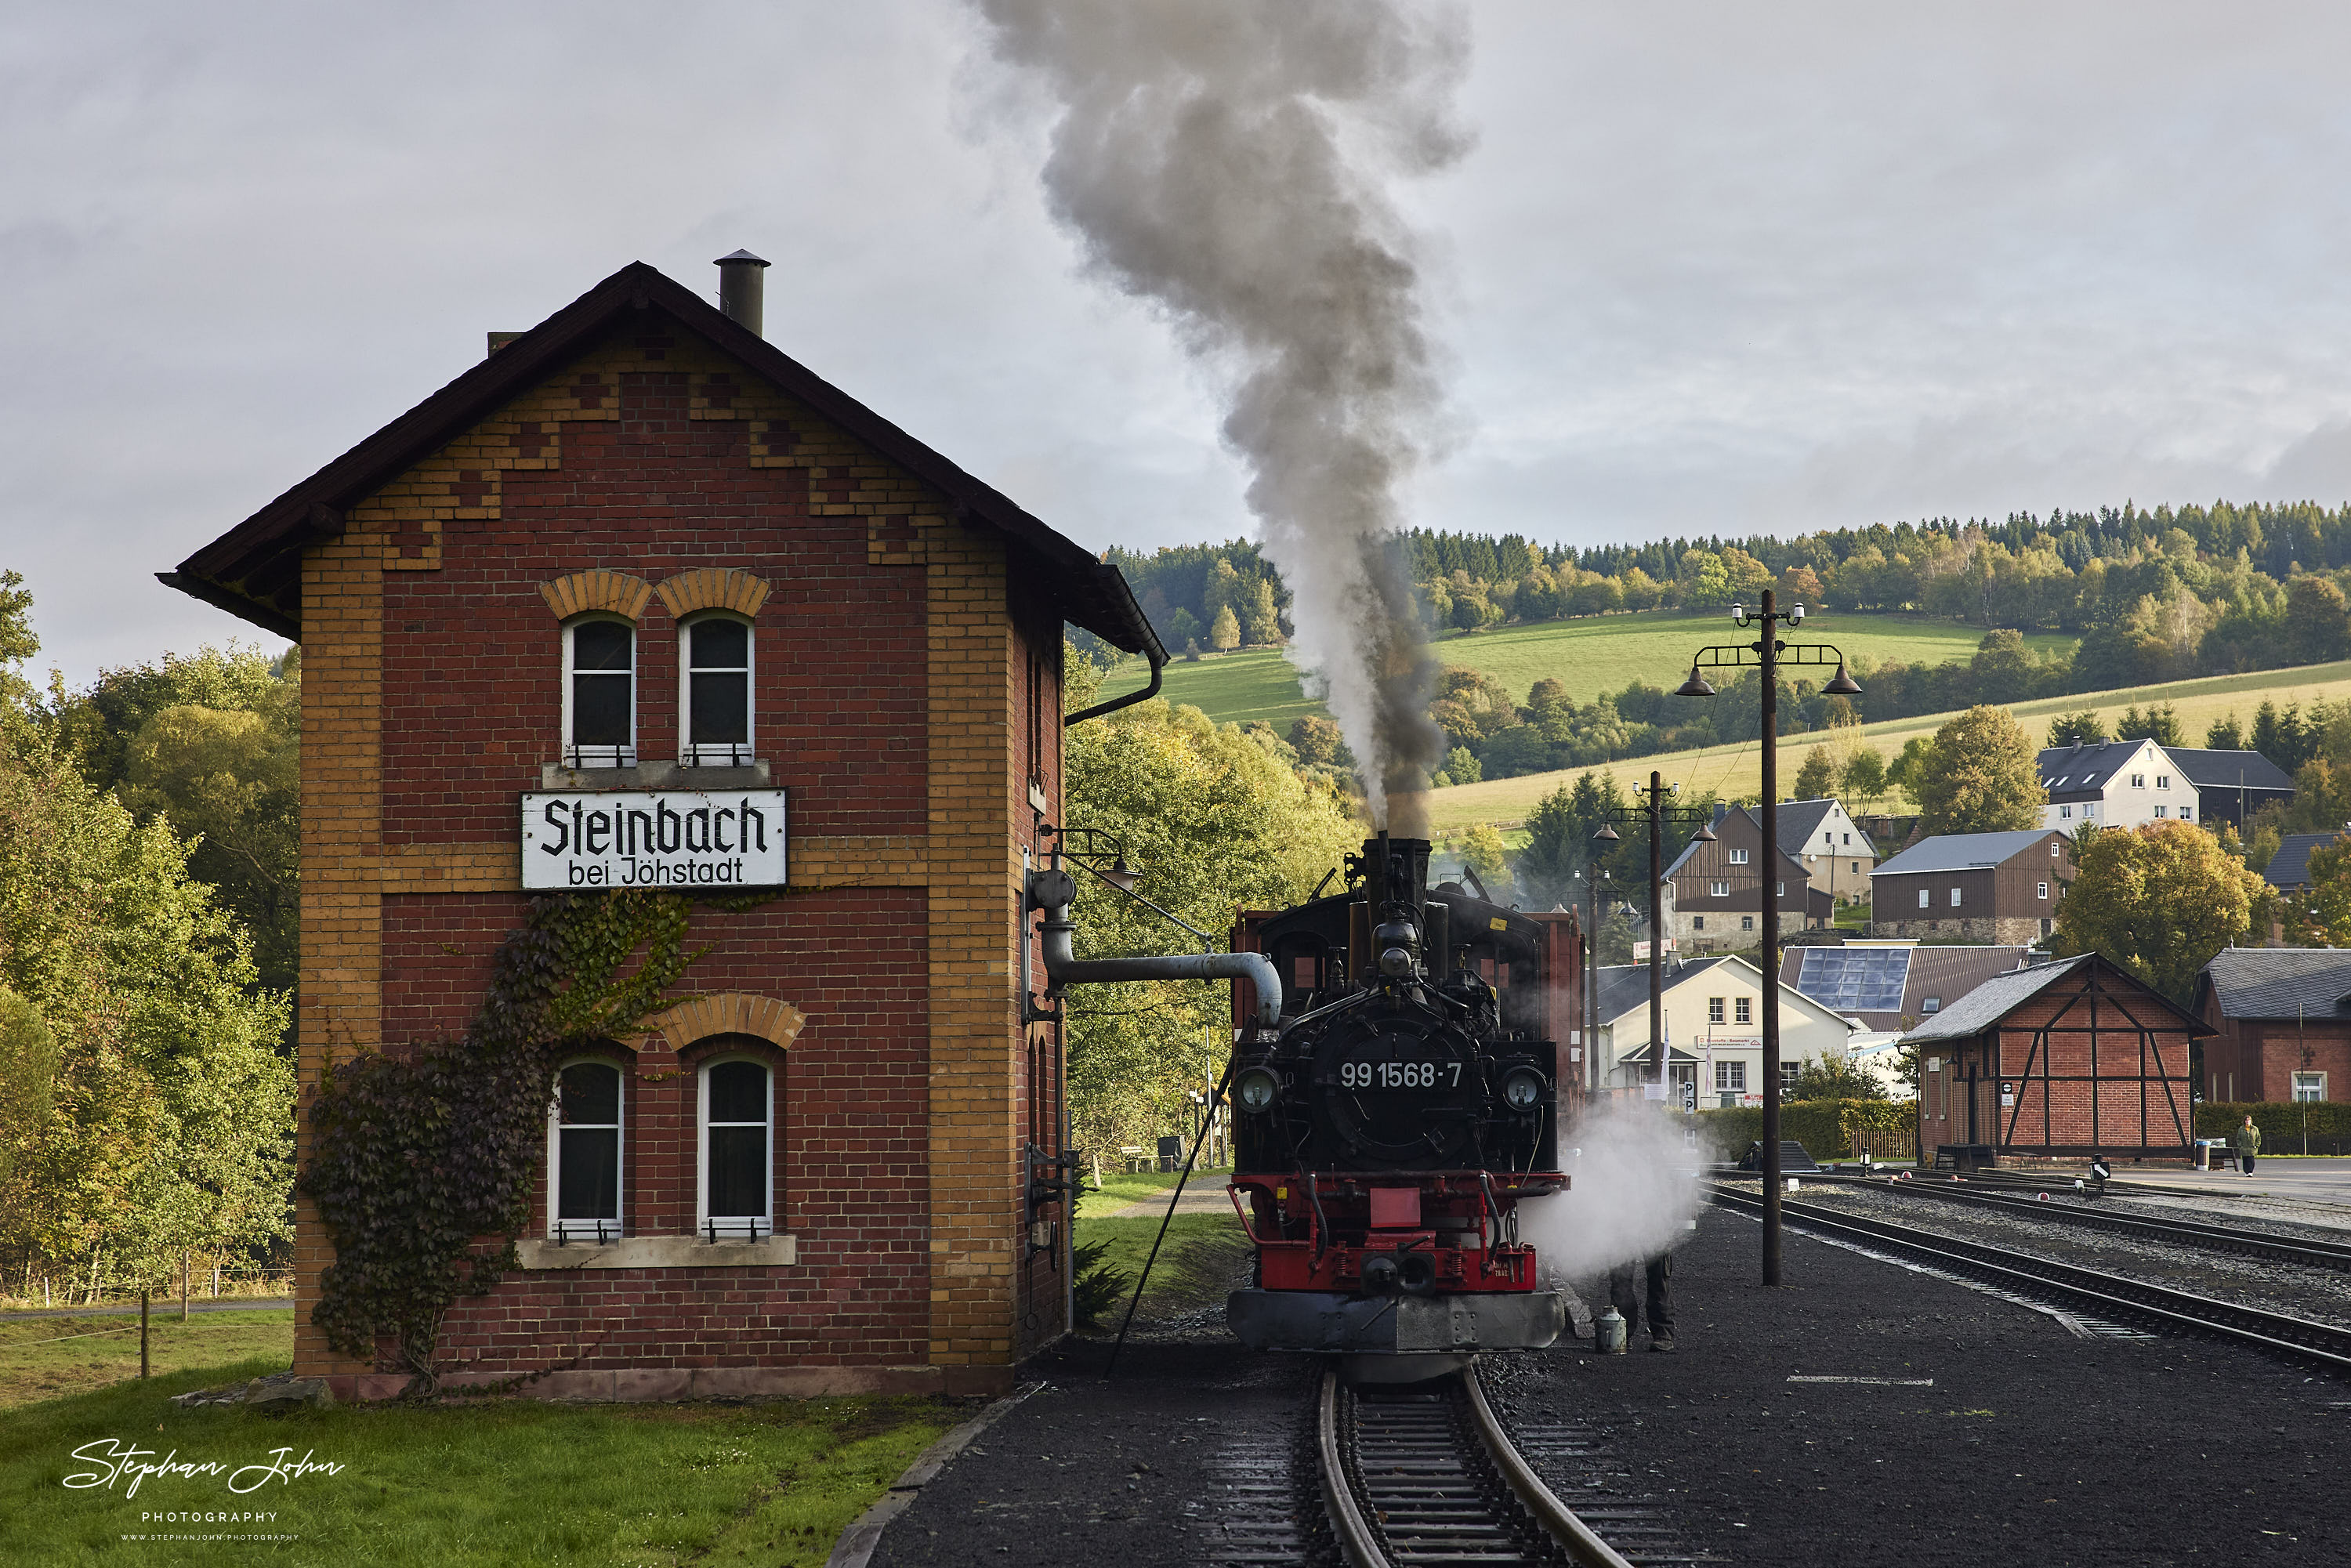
(497, 1481)
(1197, 1263)
(42, 1358)
(1591, 655)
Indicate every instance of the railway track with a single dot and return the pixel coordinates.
(2178, 1232)
(1425, 1474)
(2109, 1295)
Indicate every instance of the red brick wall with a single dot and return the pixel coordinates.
(2079, 1088)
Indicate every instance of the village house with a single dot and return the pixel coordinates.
(640, 600)
(1836, 853)
(1714, 890)
(2230, 786)
(1998, 888)
(1713, 1030)
(2114, 784)
(2289, 869)
(2281, 1018)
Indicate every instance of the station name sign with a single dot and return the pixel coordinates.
(654, 838)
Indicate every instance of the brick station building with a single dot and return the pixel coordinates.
(641, 584)
(2061, 1060)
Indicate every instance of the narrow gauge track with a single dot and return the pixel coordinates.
(2111, 1295)
(1425, 1474)
(2180, 1232)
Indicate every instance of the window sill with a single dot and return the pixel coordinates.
(654, 776)
(658, 1253)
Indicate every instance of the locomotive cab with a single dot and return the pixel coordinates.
(1386, 1128)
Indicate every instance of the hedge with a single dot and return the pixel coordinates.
(1824, 1127)
(2283, 1124)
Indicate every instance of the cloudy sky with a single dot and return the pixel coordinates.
(1711, 267)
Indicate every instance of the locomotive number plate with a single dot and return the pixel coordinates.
(1400, 1074)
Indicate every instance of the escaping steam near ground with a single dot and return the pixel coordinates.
(1631, 1196)
(1225, 160)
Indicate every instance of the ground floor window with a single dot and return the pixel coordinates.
(738, 1150)
(2310, 1086)
(1789, 1072)
(584, 1158)
(1731, 1075)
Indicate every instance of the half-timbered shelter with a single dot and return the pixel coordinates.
(2065, 1060)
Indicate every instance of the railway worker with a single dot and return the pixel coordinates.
(1626, 1297)
(2248, 1143)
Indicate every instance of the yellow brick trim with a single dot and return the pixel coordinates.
(615, 591)
(712, 588)
(880, 860)
(731, 1012)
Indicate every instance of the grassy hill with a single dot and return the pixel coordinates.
(1733, 770)
(1591, 655)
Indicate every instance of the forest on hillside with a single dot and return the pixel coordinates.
(2153, 595)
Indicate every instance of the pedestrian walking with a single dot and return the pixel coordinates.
(2247, 1143)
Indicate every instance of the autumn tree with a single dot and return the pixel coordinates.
(1863, 777)
(1225, 632)
(2158, 900)
(1979, 776)
(1816, 779)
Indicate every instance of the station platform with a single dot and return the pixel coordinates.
(1862, 1414)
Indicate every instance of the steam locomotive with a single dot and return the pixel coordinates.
(1387, 1126)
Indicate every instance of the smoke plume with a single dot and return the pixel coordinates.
(1224, 159)
(1630, 1195)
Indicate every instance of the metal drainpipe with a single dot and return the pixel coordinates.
(1158, 657)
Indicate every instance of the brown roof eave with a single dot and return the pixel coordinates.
(287, 523)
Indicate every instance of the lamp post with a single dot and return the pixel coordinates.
(1767, 653)
(1598, 875)
(1657, 813)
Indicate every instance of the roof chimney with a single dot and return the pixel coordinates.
(2078, 740)
(740, 291)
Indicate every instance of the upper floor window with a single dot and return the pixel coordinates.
(584, 1153)
(738, 1152)
(599, 693)
(1829, 838)
(2065, 813)
(1720, 889)
(2053, 848)
(1742, 1009)
(1738, 857)
(2138, 780)
(2044, 889)
(1714, 1009)
(1955, 898)
(716, 692)
(2158, 809)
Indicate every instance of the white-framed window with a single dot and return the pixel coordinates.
(713, 695)
(2163, 781)
(1731, 1076)
(2138, 780)
(1955, 898)
(2055, 849)
(2041, 889)
(2186, 812)
(2158, 807)
(2064, 813)
(584, 1152)
(1720, 889)
(1738, 857)
(1789, 1072)
(1742, 1009)
(736, 1185)
(600, 693)
(1714, 1009)
(1780, 889)
(1925, 898)
(2310, 1087)
(1747, 923)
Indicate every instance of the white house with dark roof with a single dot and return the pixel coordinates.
(1714, 1030)
(1835, 850)
(2114, 784)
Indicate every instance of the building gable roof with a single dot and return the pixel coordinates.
(2290, 867)
(2086, 770)
(2279, 983)
(1961, 852)
(2229, 770)
(254, 570)
(2002, 995)
(1799, 820)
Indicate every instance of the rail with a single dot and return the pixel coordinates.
(2112, 1295)
(1428, 1474)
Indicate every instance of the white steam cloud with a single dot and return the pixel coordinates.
(1630, 1197)
(1224, 159)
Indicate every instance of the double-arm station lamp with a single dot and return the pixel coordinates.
(1767, 653)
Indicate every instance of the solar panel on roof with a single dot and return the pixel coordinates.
(1856, 980)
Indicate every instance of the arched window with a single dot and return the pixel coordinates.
(715, 681)
(737, 1185)
(583, 1156)
(599, 693)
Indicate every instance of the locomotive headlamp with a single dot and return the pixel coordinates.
(1395, 940)
(1395, 962)
(1522, 1089)
(1256, 1089)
